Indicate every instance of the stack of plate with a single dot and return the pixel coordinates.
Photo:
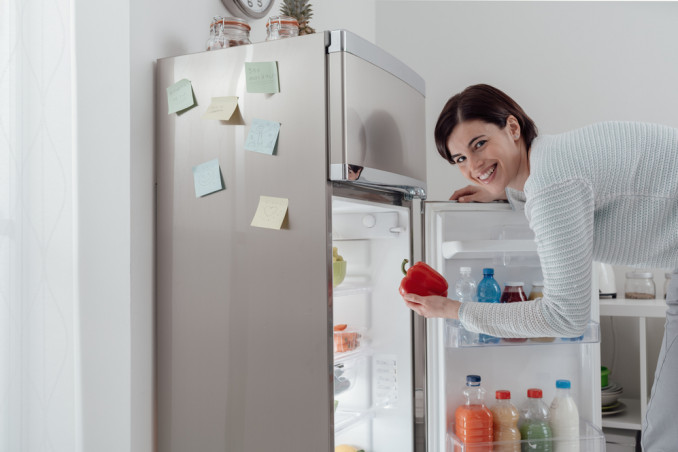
(610, 399)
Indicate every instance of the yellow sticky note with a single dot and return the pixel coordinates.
(270, 212)
(221, 108)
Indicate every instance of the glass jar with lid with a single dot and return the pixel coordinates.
(228, 32)
(667, 281)
(537, 291)
(639, 286)
(280, 27)
(513, 293)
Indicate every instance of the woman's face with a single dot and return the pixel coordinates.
(488, 155)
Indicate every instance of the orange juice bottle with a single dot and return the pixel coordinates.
(505, 417)
(473, 420)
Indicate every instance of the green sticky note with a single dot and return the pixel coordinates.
(262, 77)
(180, 96)
(207, 178)
(263, 136)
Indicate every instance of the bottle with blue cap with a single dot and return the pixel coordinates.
(489, 291)
(564, 419)
(473, 420)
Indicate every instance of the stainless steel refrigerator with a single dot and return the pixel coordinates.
(247, 356)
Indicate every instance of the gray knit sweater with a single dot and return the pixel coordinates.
(607, 192)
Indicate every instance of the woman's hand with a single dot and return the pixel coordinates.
(475, 193)
(432, 306)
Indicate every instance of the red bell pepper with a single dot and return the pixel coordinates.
(422, 280)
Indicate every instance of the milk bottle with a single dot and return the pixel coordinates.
(564, 419)
(505, 417)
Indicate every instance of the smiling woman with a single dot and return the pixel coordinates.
(594, 193)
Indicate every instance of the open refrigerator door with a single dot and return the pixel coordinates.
(372, 327)
(494, 236)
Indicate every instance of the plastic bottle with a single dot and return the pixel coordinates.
(535, 430)
(488, 292)
(473, 420)
(564, 419)
(465, 290)
(505, 417)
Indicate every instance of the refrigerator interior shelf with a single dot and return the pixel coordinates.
(344, 420)
(481, 249)
(348, 288)
(591, 439)
(457, 336)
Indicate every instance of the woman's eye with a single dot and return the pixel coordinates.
(460, 159)
(479, 144)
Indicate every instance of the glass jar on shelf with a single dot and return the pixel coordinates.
(667, 281)
(280, 27)
(538, 292)
(639, 286)
(513, 293)
(228, 32)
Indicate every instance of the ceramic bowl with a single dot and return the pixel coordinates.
(338, 272)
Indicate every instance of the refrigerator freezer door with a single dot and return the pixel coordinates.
(244, 354)
(377, 132)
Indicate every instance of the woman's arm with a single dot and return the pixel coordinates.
(561, 217)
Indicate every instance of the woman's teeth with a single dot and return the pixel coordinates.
(488, 173)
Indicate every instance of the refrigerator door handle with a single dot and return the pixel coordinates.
(374, 178)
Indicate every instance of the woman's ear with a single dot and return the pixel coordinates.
(513, 127)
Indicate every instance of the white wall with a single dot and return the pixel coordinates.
(568, 64)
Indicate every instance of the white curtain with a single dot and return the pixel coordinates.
(37, 304)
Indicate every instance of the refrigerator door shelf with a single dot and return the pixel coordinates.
(482, 249)
(591, 439)
(457, 337)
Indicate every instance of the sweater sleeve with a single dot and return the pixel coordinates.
(561, 217)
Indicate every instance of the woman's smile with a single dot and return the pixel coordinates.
(487, 176)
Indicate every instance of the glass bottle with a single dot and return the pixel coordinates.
(280, 27)
(513, 293)
(538, 292)
(488, 292)
(639, 286)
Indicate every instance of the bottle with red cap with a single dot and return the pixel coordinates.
(535, 430)
(505, 417)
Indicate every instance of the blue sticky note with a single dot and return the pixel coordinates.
(262, 77)
(263, 136)
(207, 178)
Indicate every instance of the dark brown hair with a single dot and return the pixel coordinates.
(483, 102)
